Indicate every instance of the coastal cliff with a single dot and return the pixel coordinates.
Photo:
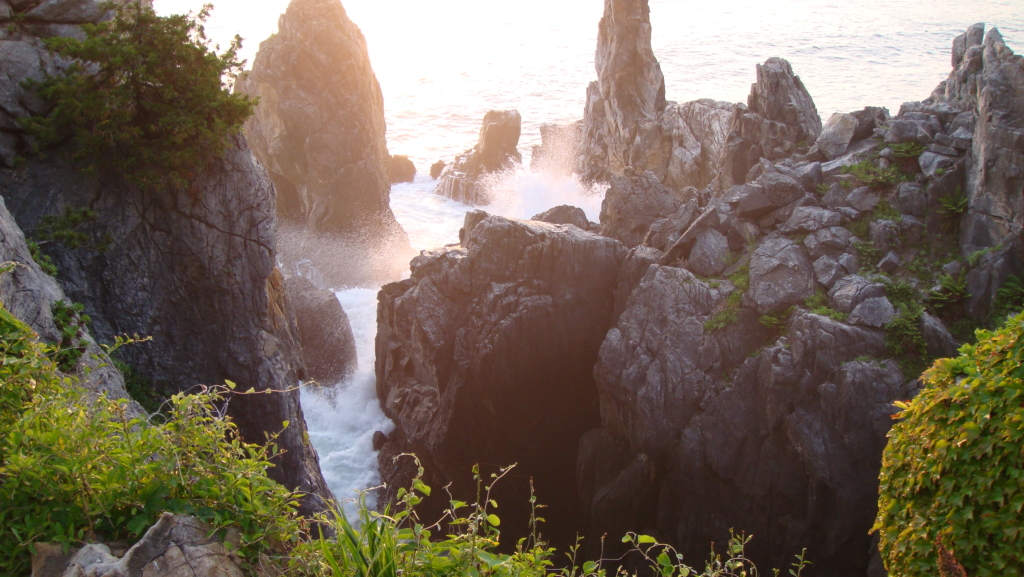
(319, 129)
(193, 269)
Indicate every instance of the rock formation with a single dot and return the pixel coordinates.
(401, 169)
(495, 150)
(629, 124)
(436, 169)
(486, 356)
(194, 270)
(319, 130)
(566, 214)
(325, 334)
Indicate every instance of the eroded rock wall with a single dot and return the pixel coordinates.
(320, 131)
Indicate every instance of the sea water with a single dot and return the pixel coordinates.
(443, 64)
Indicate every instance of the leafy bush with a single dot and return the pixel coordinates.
(907, 149)
(951, 292)
(818, 304)
(952, 472)
(1009, 298)
(71, 323)
(903, 338)
(869, 174)
(728, 314)
(72, 470)
(953, 205)
(886, 211)
(42, 259)
(147, 97)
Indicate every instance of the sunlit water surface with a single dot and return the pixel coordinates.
(443, 64)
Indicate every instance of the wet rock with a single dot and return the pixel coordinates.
(851, 291)
(319, 130)
(710, 254)
(836, 135)
(873, 312)
(564, 214)
(325, 334)
(633, 203)
(436, 169)
(401, 169)
(486, 355)
(781, 274)
(495, 150)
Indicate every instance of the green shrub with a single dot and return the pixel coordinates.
(73, 470)
(953, 471)
(727, 315)
(153, 102)
(903, 338)
(818, 304)
(869, 174)
(71, 322)
(953, 205)
(907, 149)
(42, 259)
(950, 293)
(884, 210)
(1009, 299)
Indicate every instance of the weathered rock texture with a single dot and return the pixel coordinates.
(325, 334)
(319, 129)
(985, 95)
(29, 294)
(486, 354)
(196, 273)
(176, 546)
(629, 124)
(495, 150)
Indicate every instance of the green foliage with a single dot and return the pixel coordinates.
(904, 341)
(42, 259)
(953, 471)
(72, 469)
(822, 189)
(951, 292)
(728, 314)
(953, 205)
(741, 278)
(974, 259)
(861, 228)
(907, 149)
(818, 304)
(868, 254)
(139, 389)
(665, 561)
(776, 321)
(71, 323)
(66, 228)
(871, 175)
(1009, 298)
(153, 102)
(886, 211)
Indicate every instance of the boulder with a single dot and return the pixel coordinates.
(319, 130)
(495, 150)
(807, 219)
(664, 233)
(325, 335)
(873, 312)
(911, 199)
(401, 169)
(176, 546)
(836, 135)
(486, 354)
(831, 241)
(827, 270)
(710, 254)
(695, 134)
(633, 203)
(781, 274)
(868, 120)
(564, 214)
(851, 291)
(940, 344)
(436, 169)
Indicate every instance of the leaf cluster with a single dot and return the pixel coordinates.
(954, 204)
(146, 97)
(953, 472)
(76, 468)
(871, 175)
(903, 338)
(907, 149)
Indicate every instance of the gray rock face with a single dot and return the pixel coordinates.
(29, 294)
(873, 312)
(325, 335)
(710, 254)
(176, 546)
(486, 355)
(701, 432)
(851, 291)
(621, 126)
(319, 130)
(836, 135)
(811, 219)
(633, 203)
(564, 214)
(196, 273)
(696, 134)
(781, 274)
(940, 343)
(495, 150)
